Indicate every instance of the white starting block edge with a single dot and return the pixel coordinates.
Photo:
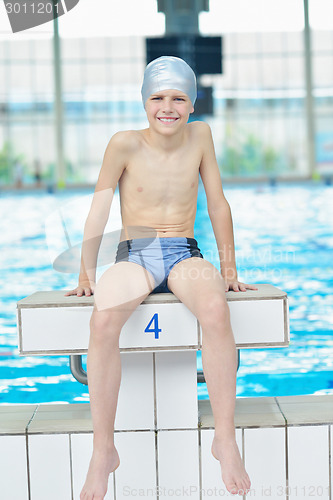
(259, 318)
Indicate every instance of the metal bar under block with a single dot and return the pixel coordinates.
(75, 363)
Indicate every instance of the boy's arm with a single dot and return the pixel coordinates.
(219, 213)
(114, 163)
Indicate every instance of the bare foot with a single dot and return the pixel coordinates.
(234, 474)
(102, 463)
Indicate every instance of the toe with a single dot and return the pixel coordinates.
(242, 485)
(245, 488)
(240, 489)
(247, 483)
(232, 488)
(241, 492)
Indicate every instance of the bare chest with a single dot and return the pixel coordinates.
(161, 179)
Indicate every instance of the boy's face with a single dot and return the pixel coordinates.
(168, 110)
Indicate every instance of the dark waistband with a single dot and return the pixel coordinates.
(192, 242)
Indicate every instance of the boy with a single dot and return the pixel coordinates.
(158, 170)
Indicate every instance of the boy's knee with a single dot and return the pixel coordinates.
(214, 311)
(104, 325)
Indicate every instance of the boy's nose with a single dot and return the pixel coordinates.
(167, 106)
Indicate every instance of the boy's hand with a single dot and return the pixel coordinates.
(84, 288)
(237, 286)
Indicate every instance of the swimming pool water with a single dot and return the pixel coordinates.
(283, 236)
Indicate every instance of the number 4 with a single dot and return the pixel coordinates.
(155, 330)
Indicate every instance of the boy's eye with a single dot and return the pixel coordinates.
(155, 98)
(179, 99)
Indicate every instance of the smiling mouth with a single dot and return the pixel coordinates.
(167, 120)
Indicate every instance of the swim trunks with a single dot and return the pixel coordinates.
(158, 256)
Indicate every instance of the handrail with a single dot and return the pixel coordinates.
(75, 363)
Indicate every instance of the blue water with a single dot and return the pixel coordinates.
(283, 236)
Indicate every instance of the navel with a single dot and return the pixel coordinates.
(140, 189)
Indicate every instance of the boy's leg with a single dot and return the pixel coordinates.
(200, 286)
(118, 293)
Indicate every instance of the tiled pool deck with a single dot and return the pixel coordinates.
(285, 442)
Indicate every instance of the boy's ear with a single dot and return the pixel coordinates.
(192, 110)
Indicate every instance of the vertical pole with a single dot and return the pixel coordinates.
(309, 94)
(60, 174)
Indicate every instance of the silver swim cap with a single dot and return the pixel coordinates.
(168, 72)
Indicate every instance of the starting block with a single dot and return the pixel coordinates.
(158, 402)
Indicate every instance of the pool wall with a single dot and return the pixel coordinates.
(285, 442)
